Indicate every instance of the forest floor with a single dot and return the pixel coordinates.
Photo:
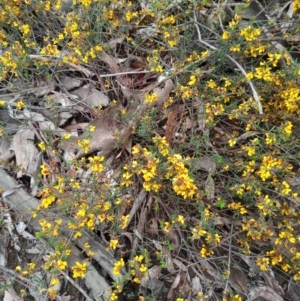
(149, 150)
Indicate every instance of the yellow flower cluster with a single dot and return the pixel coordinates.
(269, 163)
(183, 184)
(148, 169)
(290, 98)
(151, 98)
(84, 144)
(138, 267)
(255, 51)
(96, 163)
(48, 201)
(118, 266)
(238, 207)
(206, 251)
(250, 34)
(263, 72)
(263, 263)
(146, 165)
(296, 5)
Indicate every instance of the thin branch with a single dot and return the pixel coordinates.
(229, 261)
(254, 93)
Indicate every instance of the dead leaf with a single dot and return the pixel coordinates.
(147, 32)
(201, 115)
(6, 152)
(61, 98)
(44, 123)
(28, 157)
(210, 187)
(171, 124)
(152, 228)
(136, 204)
(196, 285)
(114, 42)
(269, 277)
(187, 125)
(248, 135)
(150, 280)
(238, 280)
(206, 163)
(11, 295)
(43, 88)
(130, 238)
(211, 274)
(181, 266)
(70, 83)
(294, 290)
(104, 139)
(175, 284)
(178, 281)
(91, 96)
(111, 62)
(265, 292)
(163, 92)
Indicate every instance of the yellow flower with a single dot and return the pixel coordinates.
(77, 234)
(90, 253)
(96, 163)
(79, 271)
(288, 128)
(54, 281)
(192, 80)
(42, 146)
(91, 128)
(61, 265)
(118, 266)
(135, 150)
(113, 297)
(211, 84)
(2, 103)
(20, 105)
(52, 292)
(18, 268)
(235, 48)
(250, 33)
(139, 258)
(124, 220)
(136, 280)
(66, 136)
(87, 245)
(143, 268)
(44, 170)
(45, 225)
(48, 201)
(225, 35)
(167, 227)
(113, 244)
(232, 142)
(180, 219)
